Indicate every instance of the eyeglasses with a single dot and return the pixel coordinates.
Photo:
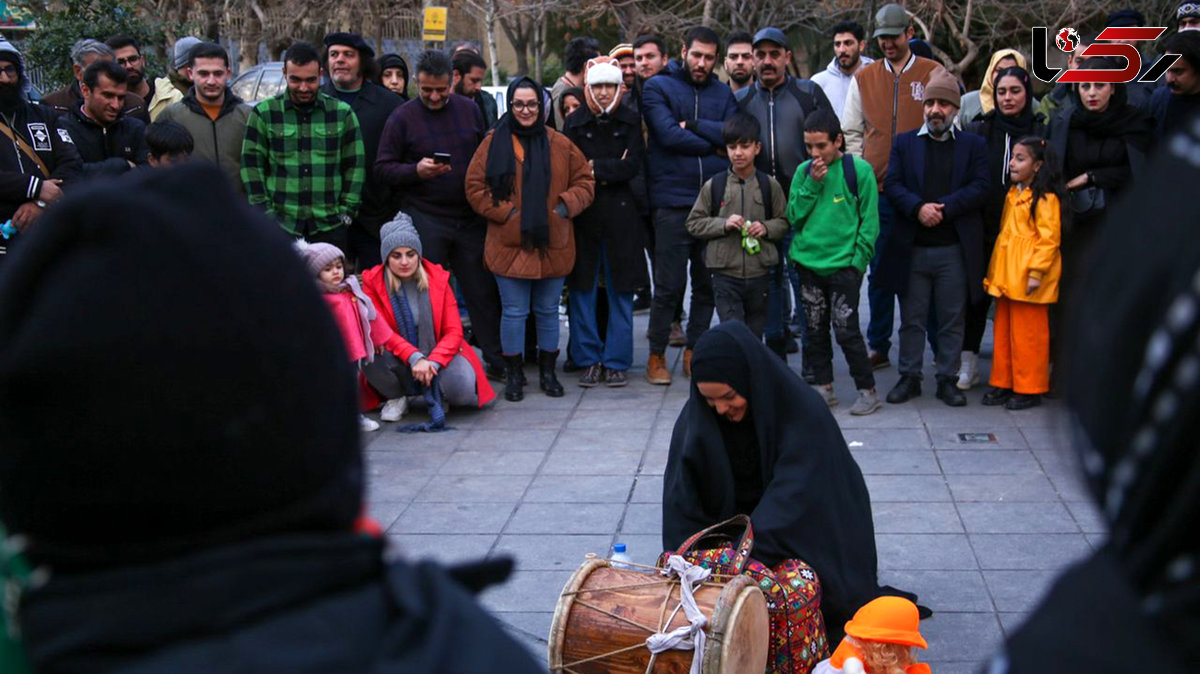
(128, 61)
(522, 105)
(8, 70)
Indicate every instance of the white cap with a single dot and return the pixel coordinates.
(603, 73)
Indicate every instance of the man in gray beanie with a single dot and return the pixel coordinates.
(936, 182)
(178, 79)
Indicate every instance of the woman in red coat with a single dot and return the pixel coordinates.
(414, 296)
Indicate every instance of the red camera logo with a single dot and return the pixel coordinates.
(1110, 42)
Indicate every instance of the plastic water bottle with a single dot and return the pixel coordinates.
(619, 559)
(7, 229)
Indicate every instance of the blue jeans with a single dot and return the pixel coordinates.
(882, 303)
(615, 350)
(517, 295)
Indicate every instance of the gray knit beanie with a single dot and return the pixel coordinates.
(318, 255)
(399, 233)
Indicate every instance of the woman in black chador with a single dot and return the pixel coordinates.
(755, 439)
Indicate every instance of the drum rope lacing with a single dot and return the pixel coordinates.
(664, 619)
(685, 637)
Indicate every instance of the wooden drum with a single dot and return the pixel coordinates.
(605, 615)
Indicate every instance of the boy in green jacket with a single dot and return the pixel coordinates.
(836, 221)
(741, 227)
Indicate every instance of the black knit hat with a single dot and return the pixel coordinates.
(168, 381)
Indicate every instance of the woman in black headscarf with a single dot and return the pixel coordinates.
(528, 181)
(1010, 119)
(754, 439)
(393, 74)
(1134, 397)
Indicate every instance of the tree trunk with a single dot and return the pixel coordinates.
(539, 42)
(708, 13)
(489, 23)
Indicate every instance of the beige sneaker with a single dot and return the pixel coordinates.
(827, 394)
(867, 403)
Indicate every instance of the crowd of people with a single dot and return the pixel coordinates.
(637, 174)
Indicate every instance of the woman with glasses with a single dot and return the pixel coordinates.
(528, 181)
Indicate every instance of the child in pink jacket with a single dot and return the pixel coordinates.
(364, 331)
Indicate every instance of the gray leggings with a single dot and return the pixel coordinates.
(392, 378)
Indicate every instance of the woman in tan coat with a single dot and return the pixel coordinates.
(528, 185)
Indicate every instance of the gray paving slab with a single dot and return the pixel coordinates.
(978, 530)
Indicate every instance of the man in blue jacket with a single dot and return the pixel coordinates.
(683, 110)
(936, 181)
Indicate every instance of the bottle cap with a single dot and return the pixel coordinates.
(619, 548)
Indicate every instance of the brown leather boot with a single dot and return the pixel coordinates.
(687, 363)
(656, 370)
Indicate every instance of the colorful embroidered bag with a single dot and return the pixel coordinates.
(792, 589)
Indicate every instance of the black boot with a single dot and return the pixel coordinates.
(513, 377)
(548, 380)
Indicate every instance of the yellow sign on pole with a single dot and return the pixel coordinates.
(434, 29)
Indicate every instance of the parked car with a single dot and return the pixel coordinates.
(499, 93)
(259, 82)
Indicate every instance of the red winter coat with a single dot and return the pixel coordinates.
(447, 326)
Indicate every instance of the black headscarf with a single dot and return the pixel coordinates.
(1002, 132)
(1119, 119)
(535, 179)
(814, 504)
(394, 61)
(1134, 399)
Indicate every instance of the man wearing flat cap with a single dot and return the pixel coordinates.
(936, 183)
(350, 62)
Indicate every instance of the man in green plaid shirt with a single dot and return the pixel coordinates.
(302, 157)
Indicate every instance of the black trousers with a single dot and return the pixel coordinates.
(674, 249)
(457, 244)
(742, 300)
(364, 246)
(834, 299)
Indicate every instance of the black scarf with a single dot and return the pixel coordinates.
(814, 503)
(1002, 132)
(1119, 119)
(535, 179)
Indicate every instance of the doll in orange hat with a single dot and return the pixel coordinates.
(882, 638)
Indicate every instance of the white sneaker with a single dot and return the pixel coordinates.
(867, 403)
(394, 409)
(968, 371)
(367, 424)
(827, 395)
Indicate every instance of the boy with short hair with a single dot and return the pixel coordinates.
(169, 144)
(833, 208)
(741, 214)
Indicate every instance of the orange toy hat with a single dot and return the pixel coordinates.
(892, 620)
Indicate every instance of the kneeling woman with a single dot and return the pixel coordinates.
(414, 296)
(753, 438)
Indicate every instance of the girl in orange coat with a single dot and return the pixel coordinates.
(1024, 275)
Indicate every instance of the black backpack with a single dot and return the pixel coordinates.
(717, 192)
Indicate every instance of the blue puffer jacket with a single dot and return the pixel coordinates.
(681, 160)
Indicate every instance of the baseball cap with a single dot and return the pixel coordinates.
(771, 34)
(891, 19)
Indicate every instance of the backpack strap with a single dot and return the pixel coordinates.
(716, 193)
(850, 176)
(764, 187)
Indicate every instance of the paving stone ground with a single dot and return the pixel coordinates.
(977, 529)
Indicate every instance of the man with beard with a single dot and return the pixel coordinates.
(109, 142)
(84, 53)
(848, 59)
(214, 116)
(649, 58)
(623, 53)
(937, 182)
(129, 56)
(739, 60)
(1179, 101)
(781, 104)
(469, 69)
(684, 109)
(884, 99)
(44, 156)
(302, 158)
(350, 62)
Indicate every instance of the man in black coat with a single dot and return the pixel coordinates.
(937, 182)
(350, 62)
(203, 511)
(44, 156)
(469, 70)
(109, 142)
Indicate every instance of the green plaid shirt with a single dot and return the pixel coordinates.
(305, 168)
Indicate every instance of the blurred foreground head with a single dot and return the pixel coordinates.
(169, 379)
(1133, 362)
